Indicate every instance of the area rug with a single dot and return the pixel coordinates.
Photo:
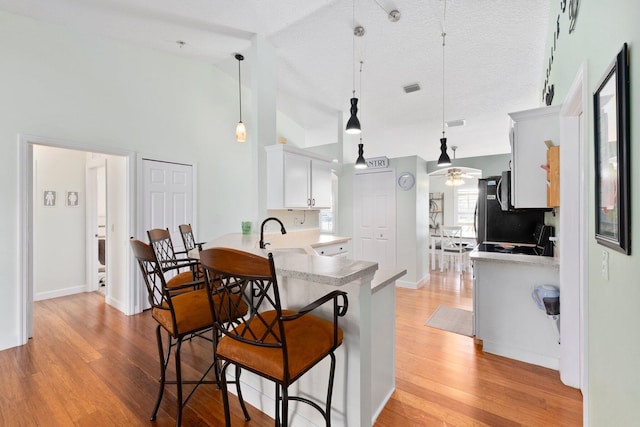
(452, 319)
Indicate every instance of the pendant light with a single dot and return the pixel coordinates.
(444, 159)
(361, 163)
(353, 125)
(241, 131)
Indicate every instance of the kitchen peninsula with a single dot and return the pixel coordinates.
(365, 369)
(506, 318)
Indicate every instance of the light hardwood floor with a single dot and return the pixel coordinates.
(90, 365)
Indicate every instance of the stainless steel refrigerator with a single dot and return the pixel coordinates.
(493, 225)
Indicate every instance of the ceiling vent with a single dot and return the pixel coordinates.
(411, 88)
(454, 123)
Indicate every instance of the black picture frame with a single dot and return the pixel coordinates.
(611, 137)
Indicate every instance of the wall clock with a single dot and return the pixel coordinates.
(406, 180)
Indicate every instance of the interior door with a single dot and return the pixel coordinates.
(375, 217)
(168, 200)
(168, 197)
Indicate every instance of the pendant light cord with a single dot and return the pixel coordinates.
(239, 88)
(353, 47)
(361, 62)
(444, 15)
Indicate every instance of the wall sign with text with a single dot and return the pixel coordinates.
(570, 9)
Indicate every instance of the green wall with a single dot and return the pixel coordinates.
(613, 351)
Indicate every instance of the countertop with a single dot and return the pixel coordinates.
(477, 255)
(299, 263)
(308, 240)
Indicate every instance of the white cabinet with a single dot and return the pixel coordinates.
(297, 180)
(529, 130)
(506, 318)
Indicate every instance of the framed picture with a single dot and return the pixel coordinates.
(611, 120)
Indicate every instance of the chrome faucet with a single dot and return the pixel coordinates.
(282, 230)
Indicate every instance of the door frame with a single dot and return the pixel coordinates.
(91, 171)
(25, 221)
(574, 248)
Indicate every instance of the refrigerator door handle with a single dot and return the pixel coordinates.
(475, 221)
(498, 192)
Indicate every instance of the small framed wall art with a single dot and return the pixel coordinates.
(49, 198)
(611, 137)
(72, 199)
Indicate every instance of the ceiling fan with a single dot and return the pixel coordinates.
(455, 173)
(455, 176)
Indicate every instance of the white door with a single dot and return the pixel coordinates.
(168, 197)
(374, 223)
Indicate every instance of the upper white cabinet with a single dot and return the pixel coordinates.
(296, 179)
(529, 131)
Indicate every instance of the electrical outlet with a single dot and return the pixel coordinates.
(605, 265)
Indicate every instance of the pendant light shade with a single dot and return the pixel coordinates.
(353, 125)
(360, 162)
(241, 131)
(444, 159)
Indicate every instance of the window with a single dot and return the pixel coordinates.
(327, 216)
(466, 198)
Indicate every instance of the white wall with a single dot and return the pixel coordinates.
(66, 85)
(412, 219)
(59, 231)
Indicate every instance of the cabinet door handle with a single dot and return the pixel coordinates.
(313, 202)
(308, 202)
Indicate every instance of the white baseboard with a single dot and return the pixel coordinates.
(522, 355)
(118, 305)
(59, 293)
(379, 410)
(413, 285)
(10, 341)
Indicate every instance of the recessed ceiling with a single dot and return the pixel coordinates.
(494, 59)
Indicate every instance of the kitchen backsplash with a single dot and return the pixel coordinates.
(293, 220)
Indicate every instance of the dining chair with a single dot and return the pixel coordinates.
(183, 313)
(186, 232)
(453, 250)
(274, 343)
(182, 268)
